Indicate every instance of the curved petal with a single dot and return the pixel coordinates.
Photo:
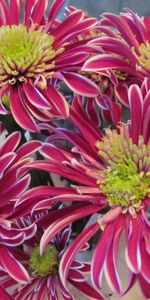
(12, 266)
(20, 113)
(80, 84)
(73, 250)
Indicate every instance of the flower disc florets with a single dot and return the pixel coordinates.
(25, 53)
(144, 57)
(126, 180)
(47, 264)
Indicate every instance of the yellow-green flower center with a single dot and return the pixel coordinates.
(144, 57)
(126, 179)
(47, 264)
(25, 54)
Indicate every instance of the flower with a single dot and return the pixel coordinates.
(44, 270)
(37, 52)
(107, 170)
(125, 45)
(12, 186)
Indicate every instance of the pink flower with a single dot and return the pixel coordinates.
(109, 170)
(12, 186)
(35, 54)
(124, 50)
(44, 270)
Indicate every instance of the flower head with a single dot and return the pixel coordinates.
(111, 171)
(44, 269)
(124, 50)
(12, 186)
(36, 51)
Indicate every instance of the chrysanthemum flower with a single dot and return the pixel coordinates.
(35, 51)
(44, 270)
(112, 170)
(126, 46)
(12, 186)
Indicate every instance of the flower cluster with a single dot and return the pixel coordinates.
(75, 175)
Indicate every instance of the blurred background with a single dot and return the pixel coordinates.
(97, 7)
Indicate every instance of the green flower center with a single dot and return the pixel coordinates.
(144, 57)
(25, 54)
(125, 181)
(47, 264)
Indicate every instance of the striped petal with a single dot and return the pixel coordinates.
(12, 266)
(80, 85)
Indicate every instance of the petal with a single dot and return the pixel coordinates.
(35, 97)
(80, 84)
(20, 113)
(133, 255)
(11, 142)
(5, 161)
(145, 286)
(74, 249)
(136, 109)
(78, 212)
(54, 10)
(14, 8)
(4, 295)
(12, 266)
(100, 254)
(87, 289)
(38, 11)
(57, 101)
(107, 61)
(67, 24)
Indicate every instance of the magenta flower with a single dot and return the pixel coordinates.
(37, 52)
(12, 186)
(124, 49)
(45, 281)
(112, 170)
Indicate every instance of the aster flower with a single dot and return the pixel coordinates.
(108, 170)
(12, 186)
(35, 52)
(125, 45)
(44, 270)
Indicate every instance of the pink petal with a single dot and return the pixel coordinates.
(88, 290)
(57, 101)
(136, 108)
(67, 24)
(145, 286)
(111, 272)
(74, 249)
(28, 148)
(14, 7)
(107, 61)
(38, 11)
(80, 84)
(5, 161)
(54, 10)
(17, 188)
(133, 255)
(100, 254)
(35, 97)
(20, 113)
(4, 295)
(123, 28)
(12, 266)
(10, 143)
(28, 9)
(78, 212)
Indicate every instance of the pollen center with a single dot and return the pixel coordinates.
(47, 264)
(25, 54)
(144, 57)
(126, 179)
